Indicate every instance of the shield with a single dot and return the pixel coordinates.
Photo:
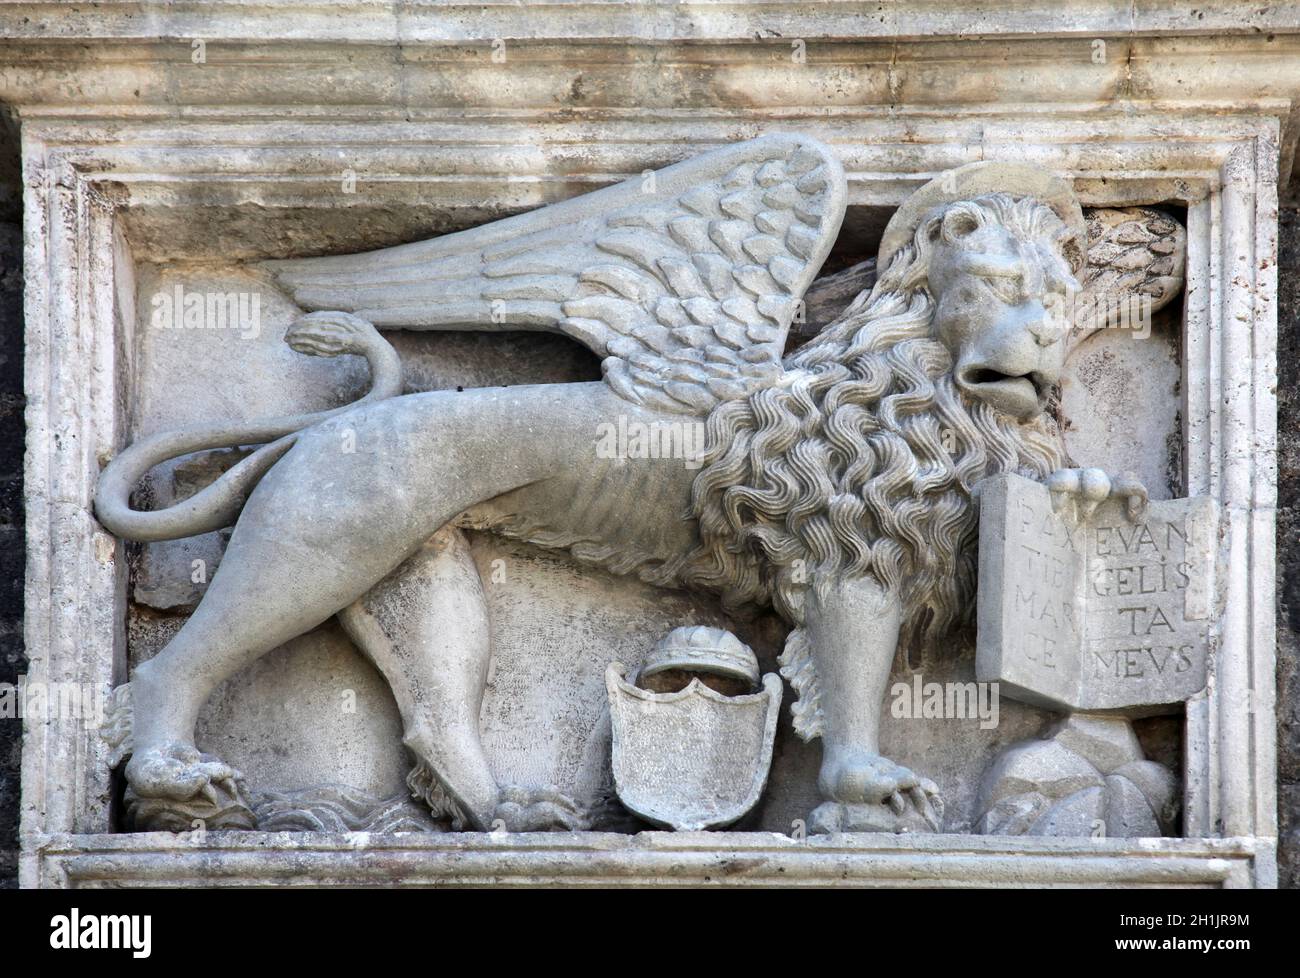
(691, 759)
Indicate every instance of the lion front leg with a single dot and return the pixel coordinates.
(852, 630)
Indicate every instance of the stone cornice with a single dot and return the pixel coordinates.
(771, 59)
(143, 68)
(134, 75)
(430, 21)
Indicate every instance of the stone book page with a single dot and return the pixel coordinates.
(1102, 614)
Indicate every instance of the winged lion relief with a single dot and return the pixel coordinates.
(838, 482)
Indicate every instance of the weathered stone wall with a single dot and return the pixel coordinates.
(12, 660)
(1288, 540)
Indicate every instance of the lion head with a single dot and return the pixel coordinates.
(862, 460)
(1000, 285)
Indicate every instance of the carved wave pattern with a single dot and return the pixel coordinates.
(339, 808)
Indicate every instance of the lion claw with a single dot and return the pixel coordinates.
(926, 799)
(1076, 493)
(539, 810)
(919, 809)
(174, 785)
(870, 793)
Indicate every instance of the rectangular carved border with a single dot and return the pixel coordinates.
(80, 176)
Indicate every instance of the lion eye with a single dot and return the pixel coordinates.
(1006, 288)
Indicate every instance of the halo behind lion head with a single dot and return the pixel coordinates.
(976, 180)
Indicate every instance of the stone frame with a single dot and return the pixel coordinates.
(81, 177)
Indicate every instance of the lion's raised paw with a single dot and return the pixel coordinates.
(1076, 493)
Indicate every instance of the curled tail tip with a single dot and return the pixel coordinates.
(329, 334)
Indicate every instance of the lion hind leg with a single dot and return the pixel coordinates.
(198, 790)
(425, 627)
(322, 529)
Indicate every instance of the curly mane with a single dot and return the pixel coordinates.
(861, 462)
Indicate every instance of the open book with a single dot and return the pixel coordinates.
(1103, 614)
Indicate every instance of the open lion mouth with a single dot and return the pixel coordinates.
(1022, 396)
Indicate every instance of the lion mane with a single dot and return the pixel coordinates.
(861, 462)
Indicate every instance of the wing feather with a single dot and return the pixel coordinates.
(1134, 254)
(685, 284)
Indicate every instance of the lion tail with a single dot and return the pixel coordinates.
(218, 505)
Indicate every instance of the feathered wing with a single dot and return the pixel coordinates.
(685, 281)
(1134, 253)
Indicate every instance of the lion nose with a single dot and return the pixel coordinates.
(1045, 331)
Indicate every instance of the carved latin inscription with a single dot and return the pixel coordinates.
(1104, 613)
